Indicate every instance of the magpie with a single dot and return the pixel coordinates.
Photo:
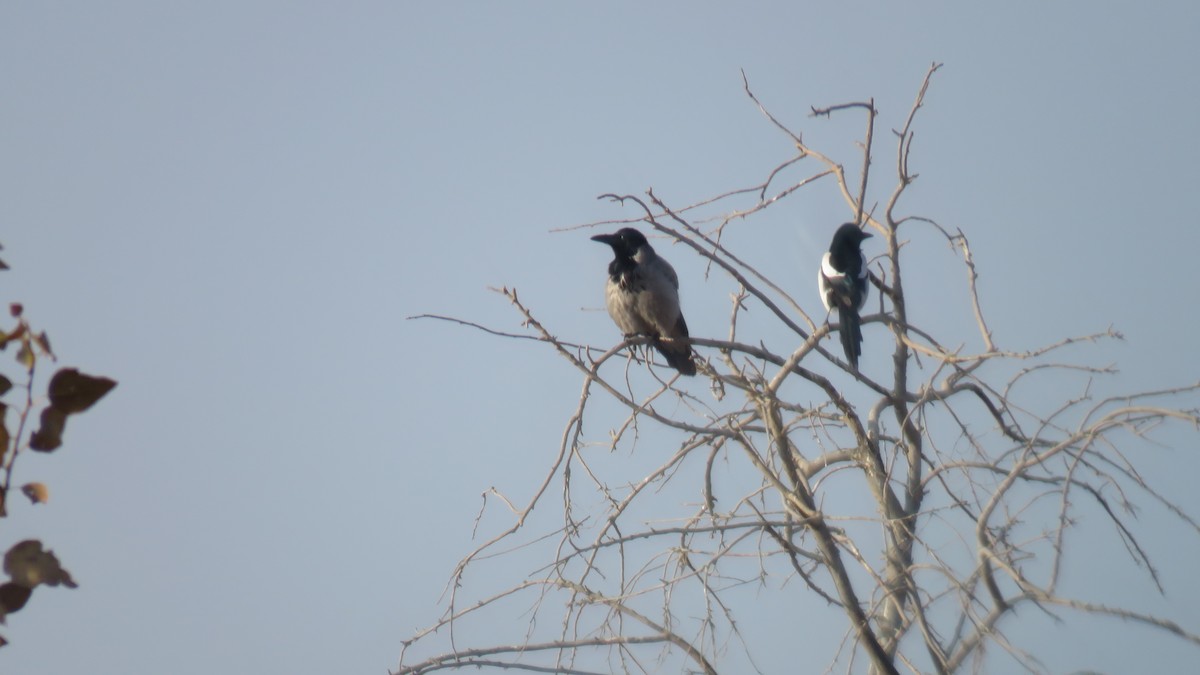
(642, 296)
(842, 281)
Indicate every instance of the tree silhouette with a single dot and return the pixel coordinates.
(926, 505)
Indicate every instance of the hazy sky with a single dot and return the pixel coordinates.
(231, 208)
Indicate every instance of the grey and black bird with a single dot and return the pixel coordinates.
(842, 281)
(642, 296)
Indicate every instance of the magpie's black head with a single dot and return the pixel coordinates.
(625, 242)
(847, 238)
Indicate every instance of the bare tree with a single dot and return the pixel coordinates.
(649, 564)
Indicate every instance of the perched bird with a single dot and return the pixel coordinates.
(842, 280)
(642, 295)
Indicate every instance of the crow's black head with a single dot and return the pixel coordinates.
(625, 242)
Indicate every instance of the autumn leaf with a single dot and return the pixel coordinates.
(38, 493)
(43, 341)
(49, 436)
(73, 392)
(13, 597)
(17, 333)
(28, 565)
(25, 355)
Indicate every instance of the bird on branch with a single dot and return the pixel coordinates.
(642, 296)
(842, 281)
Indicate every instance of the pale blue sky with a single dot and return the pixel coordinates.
(231, 208)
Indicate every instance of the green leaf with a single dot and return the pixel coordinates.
(73, 392)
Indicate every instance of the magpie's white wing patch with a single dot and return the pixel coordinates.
(827, 267)
(831, 283)
(823, 277)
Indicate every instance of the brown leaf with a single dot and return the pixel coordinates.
(9, 337)
(73, 392)
(28, 565)
(25, 355)
(49, 436)
(38, 493)
(13, 597)
(43, 341)
(5, 385)
(15, 308)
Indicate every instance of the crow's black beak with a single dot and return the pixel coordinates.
(605, 238)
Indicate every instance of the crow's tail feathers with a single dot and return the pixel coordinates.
(851, 331)
(678, 353)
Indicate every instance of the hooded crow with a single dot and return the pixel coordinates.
(842, 281)
(642, 295)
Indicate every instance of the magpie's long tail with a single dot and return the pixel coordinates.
(678, 353)
(851, 330)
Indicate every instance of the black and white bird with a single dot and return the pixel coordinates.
(842, 280)
(642, 296)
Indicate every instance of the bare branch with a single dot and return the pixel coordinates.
(926, 501)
